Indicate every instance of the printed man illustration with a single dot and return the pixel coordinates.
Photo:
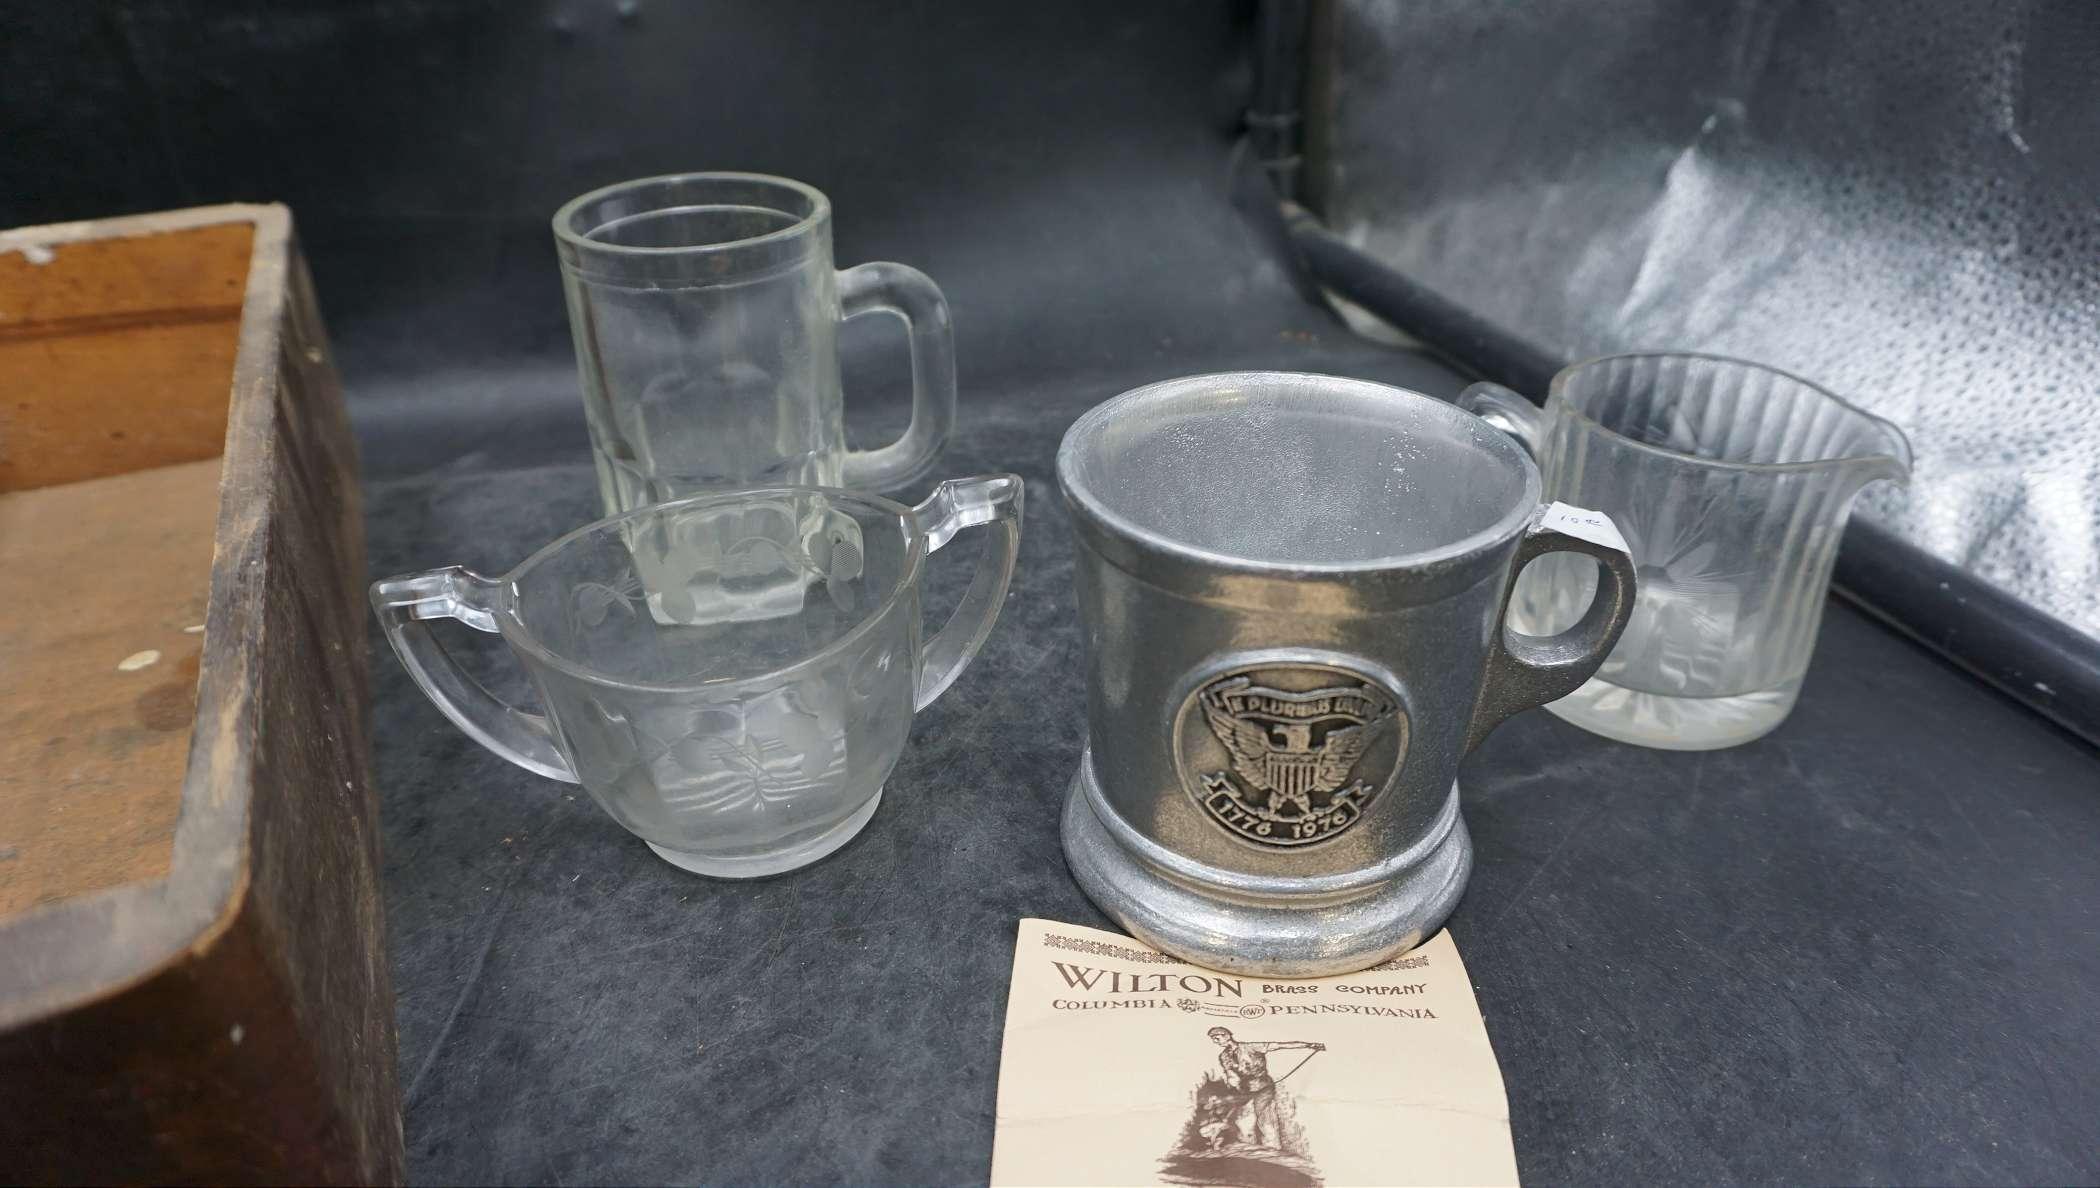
(1246, 1066)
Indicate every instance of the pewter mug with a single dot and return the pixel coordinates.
(1293, 590)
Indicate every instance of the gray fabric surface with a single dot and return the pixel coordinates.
(1860, 949)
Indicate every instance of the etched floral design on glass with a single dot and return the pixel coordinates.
(1689, 598)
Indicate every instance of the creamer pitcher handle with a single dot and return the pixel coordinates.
(1505, 410)
(1528, 670)
(912, 296)
(405, 605)
(993, 500)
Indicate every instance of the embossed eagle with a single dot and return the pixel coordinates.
(1278, 757)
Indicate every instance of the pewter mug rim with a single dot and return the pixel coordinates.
(907, 574)
(565, 229)
(1556, 392)
(1092, 506)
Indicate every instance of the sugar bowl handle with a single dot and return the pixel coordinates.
(992, 500)
(405, 605)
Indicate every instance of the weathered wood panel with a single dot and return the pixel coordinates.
(103, 581)
(116, 353)
(231, 1019)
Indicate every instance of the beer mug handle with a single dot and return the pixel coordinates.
(405, 606)
(1527, 670)
(912, 296)
(993, 500)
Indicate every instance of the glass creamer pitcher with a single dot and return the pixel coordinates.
(736, 746)
(1732, 483)
(705, 311)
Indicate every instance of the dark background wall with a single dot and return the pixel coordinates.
(1032, 153)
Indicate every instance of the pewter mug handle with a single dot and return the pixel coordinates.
(1526, 670)
(898, 289)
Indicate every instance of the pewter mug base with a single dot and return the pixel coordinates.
(1263, 926)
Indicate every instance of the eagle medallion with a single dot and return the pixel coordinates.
(1300, 750)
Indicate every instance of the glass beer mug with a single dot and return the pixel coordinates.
(705, 311)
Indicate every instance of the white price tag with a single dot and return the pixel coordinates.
(1584, 524)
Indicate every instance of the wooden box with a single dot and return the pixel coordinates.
(193, 978)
